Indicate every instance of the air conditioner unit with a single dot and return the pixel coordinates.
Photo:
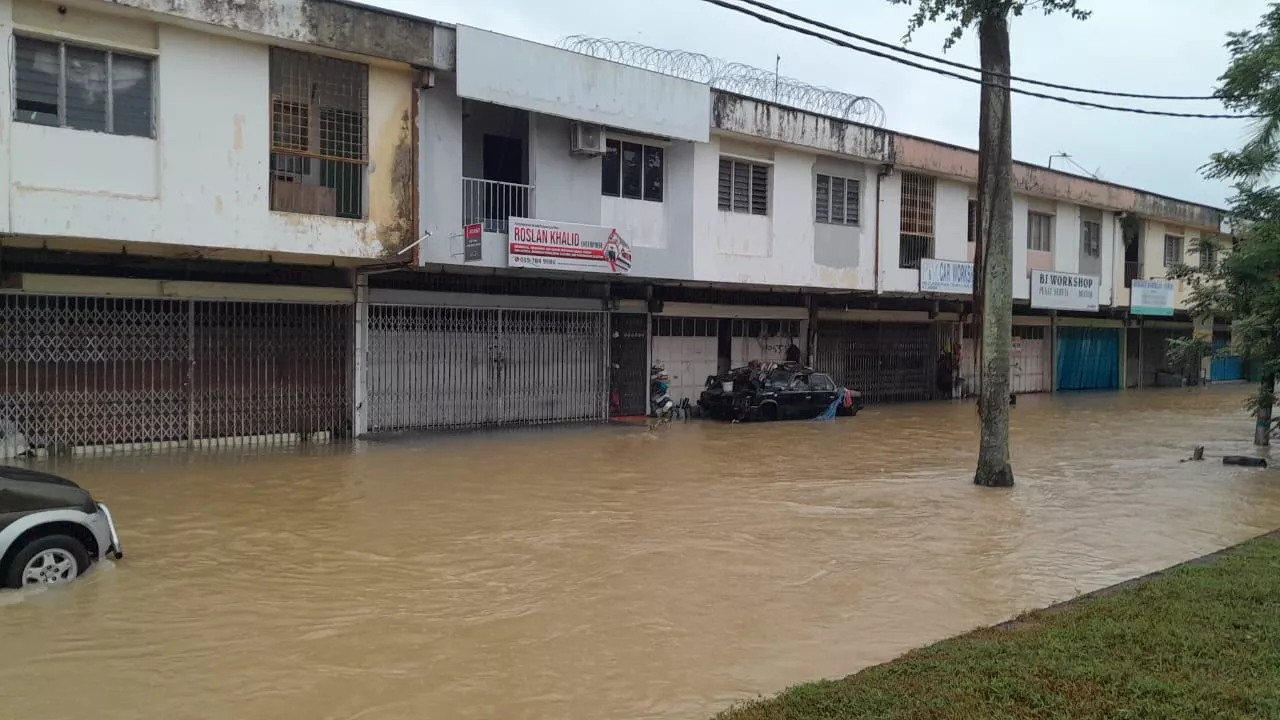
(586, 139)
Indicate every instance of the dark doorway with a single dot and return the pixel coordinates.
(503, 159)
(504, 163)
(629, 357)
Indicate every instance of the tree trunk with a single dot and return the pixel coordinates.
(995, 208)
(1262, 429)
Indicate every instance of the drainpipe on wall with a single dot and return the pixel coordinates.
(426, 80)
(885, 171)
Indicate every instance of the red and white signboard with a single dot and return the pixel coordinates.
(567, 246)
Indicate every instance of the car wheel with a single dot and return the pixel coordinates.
(49, 560)
(769, 412)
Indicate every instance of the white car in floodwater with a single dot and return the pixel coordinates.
(51, 529)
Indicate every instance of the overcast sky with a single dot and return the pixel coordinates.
(1149, 46)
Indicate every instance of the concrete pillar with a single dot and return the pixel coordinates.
(1053, 352)
(360, 359)
(6, 103)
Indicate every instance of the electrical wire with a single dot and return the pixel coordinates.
(952, 63)
(965, 78)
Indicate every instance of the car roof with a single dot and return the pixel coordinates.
(8, 472)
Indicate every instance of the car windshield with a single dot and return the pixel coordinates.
(778, 379)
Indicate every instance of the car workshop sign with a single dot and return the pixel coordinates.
(567, 246)
(1152, 297)
(946, 276)
(1064, 291)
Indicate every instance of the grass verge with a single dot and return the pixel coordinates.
(1199, 640)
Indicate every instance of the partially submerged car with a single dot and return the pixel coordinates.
(51, 529)
(775, 391)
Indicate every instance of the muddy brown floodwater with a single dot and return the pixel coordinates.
(608, 572)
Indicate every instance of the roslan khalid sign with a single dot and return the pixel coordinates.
(1064, 291)
(567, 246)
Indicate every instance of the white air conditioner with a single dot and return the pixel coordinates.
(586, 139)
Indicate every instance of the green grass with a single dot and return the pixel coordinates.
(1199, 641)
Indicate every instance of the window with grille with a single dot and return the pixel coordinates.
(631, 170)
(973, 221)
(1039, 232)
(1172, 250)
(744, 187)
(837, 200)
(1208, 257)
(915, 217)
(64, 85)
(1091, 238)
(319, 134)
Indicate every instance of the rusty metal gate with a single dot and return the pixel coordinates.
(887, 362)
(452, 367)
(95, 374)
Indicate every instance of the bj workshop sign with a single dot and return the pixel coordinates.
(1064, 291)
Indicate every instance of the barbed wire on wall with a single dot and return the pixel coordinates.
(732, 77)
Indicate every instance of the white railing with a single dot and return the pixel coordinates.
(491, 203)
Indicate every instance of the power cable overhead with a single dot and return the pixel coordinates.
(965, 78)
(952, 63)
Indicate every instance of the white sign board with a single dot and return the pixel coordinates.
(1152, 297)
(946, 276)
(567, 246)
(1064, 291)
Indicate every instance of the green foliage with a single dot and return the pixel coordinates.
(963, 14)
(1244, 285)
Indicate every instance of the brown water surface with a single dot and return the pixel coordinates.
(608, 572)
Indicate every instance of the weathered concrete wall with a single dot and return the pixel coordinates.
(339, 26)
(517, 73)
(755, 118)
(782, 248)
(203, 181)
(961, 163)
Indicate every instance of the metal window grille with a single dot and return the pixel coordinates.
(319, 134)
(915, 216)
(743, 187)
(72, 86)
(837, 200)
(91, 375)
(1091, 238)
(972, 221)
(766, 328)
(1172, 250)
(685, 327)
(1039, 232)
(1208, 257)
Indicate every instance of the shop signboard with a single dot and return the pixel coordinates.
(1052, 290)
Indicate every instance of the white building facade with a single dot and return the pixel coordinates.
(374, 222)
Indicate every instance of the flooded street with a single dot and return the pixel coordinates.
(609, 572)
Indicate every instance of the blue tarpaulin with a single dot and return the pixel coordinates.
(1226, 368)
(1088, 358)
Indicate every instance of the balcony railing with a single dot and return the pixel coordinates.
(1132, 271)
(491, 203)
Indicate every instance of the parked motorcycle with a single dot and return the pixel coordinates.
(661, 406)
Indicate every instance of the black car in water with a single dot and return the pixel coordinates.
(775, 391)
(51, 530)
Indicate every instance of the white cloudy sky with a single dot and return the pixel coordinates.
(1151, 46)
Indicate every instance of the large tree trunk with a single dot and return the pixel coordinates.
(1262, 430)
(995, 275)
